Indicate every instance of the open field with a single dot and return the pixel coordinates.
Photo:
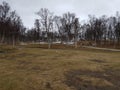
(37, 68)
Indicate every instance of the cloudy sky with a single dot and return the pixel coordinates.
(82, 8)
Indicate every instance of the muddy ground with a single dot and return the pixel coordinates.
(112, 80)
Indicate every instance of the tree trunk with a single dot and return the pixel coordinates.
(75, 41)
(3, 37)
(13, 39)
(76, 44)
(49, 44)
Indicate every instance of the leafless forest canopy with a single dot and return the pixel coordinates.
(64, 29)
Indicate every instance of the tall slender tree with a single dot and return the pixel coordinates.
(46, 19)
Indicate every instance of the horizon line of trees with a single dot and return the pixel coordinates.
(66, 28)
(11, 25)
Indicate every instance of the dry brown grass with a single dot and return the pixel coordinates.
(34, 67)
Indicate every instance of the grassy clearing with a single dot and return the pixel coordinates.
(34, 67)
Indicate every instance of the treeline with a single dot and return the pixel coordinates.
(103, 30)
(11, 25)
(67, 28)
(64, 29)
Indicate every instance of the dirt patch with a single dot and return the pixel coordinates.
(16, 56)
(36, 68)
(21, 62)
(89, 80)
(23, 65)
(2, 52)
(24, 55)
(98, 61)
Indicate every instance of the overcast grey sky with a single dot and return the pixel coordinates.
(27, 8)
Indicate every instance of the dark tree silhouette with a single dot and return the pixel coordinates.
(10, 25)
(38, 29)
(46, 19)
